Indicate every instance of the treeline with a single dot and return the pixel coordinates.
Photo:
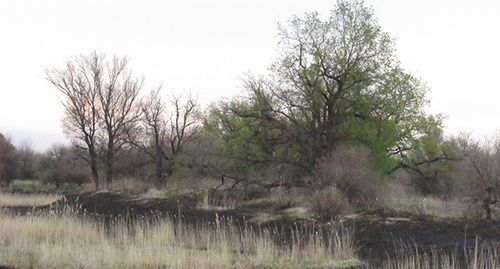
(57, 165)
(336, 112)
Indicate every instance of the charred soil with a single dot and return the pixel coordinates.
(377, 236)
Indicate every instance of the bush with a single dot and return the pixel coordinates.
(329, 204)
(350, 170)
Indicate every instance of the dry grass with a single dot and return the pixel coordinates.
(7, 199)
(399, 198)
(409, 257)
(210, 201)
(329, 204)
(429, 207)
(67, 241)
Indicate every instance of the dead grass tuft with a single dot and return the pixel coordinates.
(329, 204)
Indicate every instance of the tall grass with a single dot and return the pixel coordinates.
(66, 240)
(411, 257)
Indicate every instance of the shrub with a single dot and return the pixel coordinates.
(350, 170)
(329, 204)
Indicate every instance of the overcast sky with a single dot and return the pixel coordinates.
(207, 46)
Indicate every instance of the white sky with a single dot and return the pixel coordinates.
(207, 46)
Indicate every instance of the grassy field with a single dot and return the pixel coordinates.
(66, 239)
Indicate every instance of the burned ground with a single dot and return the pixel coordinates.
(377, 236)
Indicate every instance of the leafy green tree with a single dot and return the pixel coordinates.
(336, 81)
(429, 159)
(237, 147)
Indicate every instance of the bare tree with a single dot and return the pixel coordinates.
(100, 98)
(80, 82)
(166, 130)
(118, 100)
(478, 174)
(155, 133)
(184, 124)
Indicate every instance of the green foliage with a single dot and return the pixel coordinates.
(336, 81)
(244, 146)
(428, 156)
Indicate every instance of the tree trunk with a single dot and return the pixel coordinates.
(487, 208)
(95, 173)
(93, 165)
(109, 169)
(110, 155)
(330, 121)
(160, 181)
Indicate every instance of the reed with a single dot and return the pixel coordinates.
(68, 240)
